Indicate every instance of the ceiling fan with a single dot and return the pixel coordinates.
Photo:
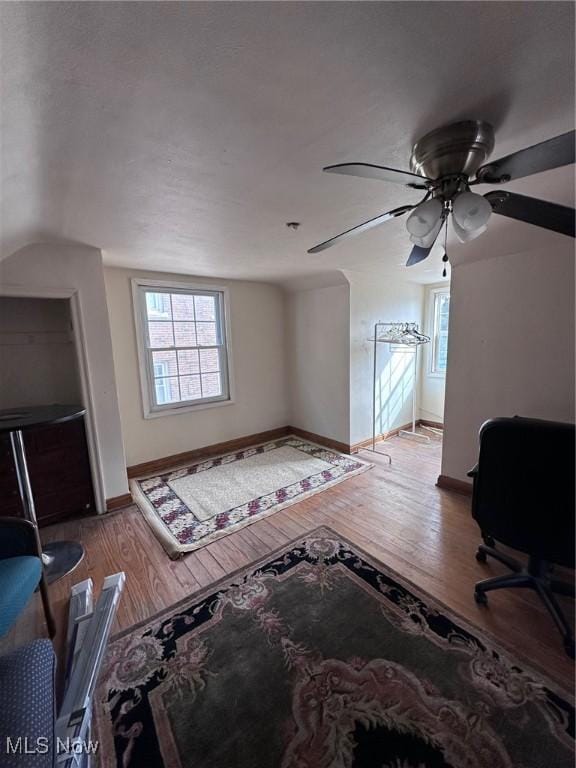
(442, 164)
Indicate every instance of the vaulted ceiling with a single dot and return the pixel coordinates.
(183, 136)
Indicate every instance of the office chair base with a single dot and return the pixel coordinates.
(480, 597)
(536, 576)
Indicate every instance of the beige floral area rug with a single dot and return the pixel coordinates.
(200, 503)
(320, 657)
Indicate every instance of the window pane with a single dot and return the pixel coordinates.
(205, 308)
(164, 364)
(209, 360)
(166, 391)
(183, 306)
(211, 385)
(185, 334)
(158, 306)
(442, 352)
(188, 361)
(160, 334)
(441, 320)
(206, 333)
(190, 387)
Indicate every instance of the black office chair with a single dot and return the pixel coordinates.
(524, 497)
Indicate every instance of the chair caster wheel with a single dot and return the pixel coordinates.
(481, 556)
(569, 647)
(480, 597)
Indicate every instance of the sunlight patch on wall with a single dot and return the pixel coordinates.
(395, 384)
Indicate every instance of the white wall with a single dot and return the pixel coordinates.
(375, 298)
(510, 348)
(319, 361)
(43, 267)
(37, 355)
(258, 352)
(432, 386)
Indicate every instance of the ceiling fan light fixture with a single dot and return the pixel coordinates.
(465, 236)
(425, 218)
(471, 212)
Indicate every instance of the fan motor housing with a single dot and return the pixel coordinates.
(456, 149)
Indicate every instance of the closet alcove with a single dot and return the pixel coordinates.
(38, 366)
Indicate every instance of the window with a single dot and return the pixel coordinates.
(182, 346)
(441, 311)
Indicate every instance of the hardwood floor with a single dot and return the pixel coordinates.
(395, 513)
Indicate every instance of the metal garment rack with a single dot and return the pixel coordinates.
(397, 334)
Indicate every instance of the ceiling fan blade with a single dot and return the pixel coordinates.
(418, 254)
(558, 218)
(375, 222)
(380, 172)
(541, 157)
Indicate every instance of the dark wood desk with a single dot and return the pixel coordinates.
(58, 464)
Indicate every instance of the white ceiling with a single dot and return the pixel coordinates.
(182, 136)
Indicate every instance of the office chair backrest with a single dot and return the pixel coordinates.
(524, 491)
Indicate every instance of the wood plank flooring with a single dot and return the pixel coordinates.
(395, 513)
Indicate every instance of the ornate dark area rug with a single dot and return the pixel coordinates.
(194, 505)
(319, 657)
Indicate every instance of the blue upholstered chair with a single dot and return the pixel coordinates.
(21, 571)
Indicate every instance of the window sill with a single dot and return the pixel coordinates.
(436, 375)
(180, 409)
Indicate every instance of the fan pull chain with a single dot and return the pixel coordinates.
(445, 257)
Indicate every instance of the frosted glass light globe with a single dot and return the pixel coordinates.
(424, 218)
(427, 241)
(471, 212)
(465, 235)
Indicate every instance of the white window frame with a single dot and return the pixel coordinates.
(140, 287)
(434, 293)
